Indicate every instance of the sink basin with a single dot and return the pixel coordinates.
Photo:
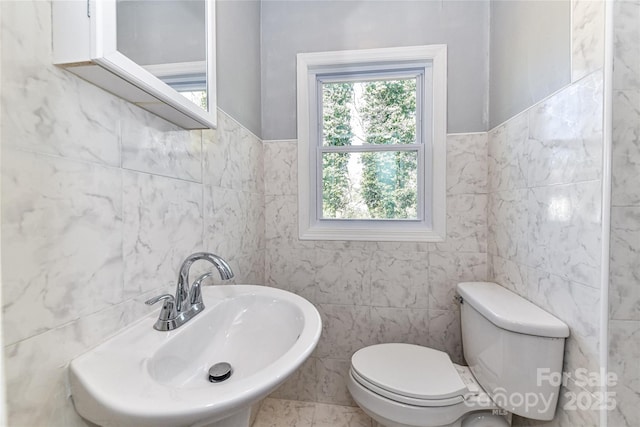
(143, 377)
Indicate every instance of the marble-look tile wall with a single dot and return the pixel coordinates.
(587, 37)
(373, 292)
(544, 216)
(544, 220)
(101, 202)
(624, 278)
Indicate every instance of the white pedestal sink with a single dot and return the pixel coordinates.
(143, 377)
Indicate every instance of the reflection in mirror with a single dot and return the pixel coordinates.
(169, 39)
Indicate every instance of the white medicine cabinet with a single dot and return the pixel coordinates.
(157, 54)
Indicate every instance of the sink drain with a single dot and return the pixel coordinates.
(220, 372)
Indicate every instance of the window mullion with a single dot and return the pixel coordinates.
(367, 148)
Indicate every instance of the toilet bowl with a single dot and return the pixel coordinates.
(405, 385)
(402, 385)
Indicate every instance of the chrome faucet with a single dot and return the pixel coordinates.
(179, 309)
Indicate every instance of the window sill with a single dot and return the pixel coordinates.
(416, 233)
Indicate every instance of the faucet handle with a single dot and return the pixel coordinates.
(159, 298)
(196, 292)
(168, 308)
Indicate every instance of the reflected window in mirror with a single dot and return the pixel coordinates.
(169, 39)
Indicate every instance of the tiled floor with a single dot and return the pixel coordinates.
(291, 413)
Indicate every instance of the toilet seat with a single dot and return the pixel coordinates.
(409, 374)
(404, 385)
(425, 403)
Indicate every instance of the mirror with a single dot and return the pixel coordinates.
(168, 39)
(157, 54)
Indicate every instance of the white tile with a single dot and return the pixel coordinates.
(301, 385)
(219, 148)
(445, 333)
(281, 230)
(162, 226)
(626, 148)
(624, 353)
(400, 279)
(340, 416)
(35, 92)
(36, 368)
(626, 62)
(508, 168)
(249, 267)
(284, 413)
(508, 228)
(405, 247)
(332, 382)
(281, 167)
(88, 131)
(26, 24)
(573, 303)
(578, 306)
(624, 271)
(345, 329)
(446, 270)
(404, 325)
(234, 221)
(568, 414)
(342, 277)
(466, 224)
(564, 231)
(467, 163)
(233, 157)
(62, 220)
(587, 37)
(565, 134)
(509, 274)
(281, 222)
(153, 145)
(292, 270)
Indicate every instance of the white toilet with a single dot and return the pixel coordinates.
(512, 347)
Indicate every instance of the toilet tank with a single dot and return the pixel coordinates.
(513, 347)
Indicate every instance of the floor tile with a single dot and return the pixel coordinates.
(292, 413)
(340, 416)
(285, 413)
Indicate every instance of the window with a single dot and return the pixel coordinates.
(371, 135)
(189, 79)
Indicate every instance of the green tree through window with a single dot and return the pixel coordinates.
(336, 117)
(389, 183)
(369, 184)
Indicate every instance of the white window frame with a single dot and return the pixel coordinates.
(431, 224)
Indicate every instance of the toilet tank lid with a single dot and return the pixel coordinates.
(510, 311)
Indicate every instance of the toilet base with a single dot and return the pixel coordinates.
(405, 415)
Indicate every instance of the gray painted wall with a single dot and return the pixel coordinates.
(528, 57)
(238, 46)
(290, 27)
(530, 54)
(238, 61)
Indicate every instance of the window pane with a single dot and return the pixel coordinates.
(337, 118)
(369, 112)
(370, 185)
